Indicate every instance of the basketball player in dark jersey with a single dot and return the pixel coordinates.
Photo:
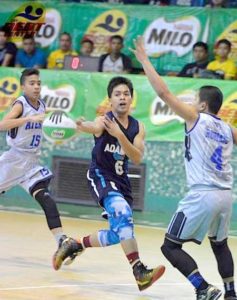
(118, 137)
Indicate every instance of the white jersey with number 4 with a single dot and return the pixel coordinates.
(27, 137)
(208, 148)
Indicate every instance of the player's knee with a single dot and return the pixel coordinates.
(121, 220)
(219, 247)
(108, 238)
(169, 249)
(49, 207)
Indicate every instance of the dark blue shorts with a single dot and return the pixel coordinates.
(101, 186)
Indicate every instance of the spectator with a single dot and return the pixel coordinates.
(87, 47)
(8, 50)
(56, 58)
(30, 56)
(115, 61)
(200, 54)
(223, 65)
(217, 4)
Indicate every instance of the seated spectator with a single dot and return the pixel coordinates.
(56, 58)
(216, 4)
(115, 61)
(30, 56)
(223, 65)
(87, 47)
(200, 54)
(8, 50)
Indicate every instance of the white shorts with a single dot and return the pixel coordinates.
(199, 213)
(18, 168)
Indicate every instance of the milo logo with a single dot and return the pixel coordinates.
(161, 112)
(61, 98)
(177, 36)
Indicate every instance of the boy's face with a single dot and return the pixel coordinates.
(86, 48)
(121, 99)
(65, 42)
(199, 54)
(29, 46)
(32, 87)
(223, 50)
(116, 45)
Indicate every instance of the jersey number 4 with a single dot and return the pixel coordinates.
(216, 158)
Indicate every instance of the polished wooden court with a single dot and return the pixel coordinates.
(26, 273)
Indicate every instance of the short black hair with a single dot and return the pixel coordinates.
(224, 41)
(116, 37)
(66, 33)
(5, 30)
(28, 72)
(213, 96)
(201, 44)
(115, 81)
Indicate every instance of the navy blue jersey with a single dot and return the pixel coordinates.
(109, 162)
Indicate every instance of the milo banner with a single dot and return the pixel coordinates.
(169, 32)
(85, 94)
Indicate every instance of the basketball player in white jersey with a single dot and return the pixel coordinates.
(207, 206)
(20, 165)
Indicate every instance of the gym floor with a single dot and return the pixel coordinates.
(100, 273)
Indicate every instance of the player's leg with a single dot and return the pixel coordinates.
(218, 235)
(190, 223)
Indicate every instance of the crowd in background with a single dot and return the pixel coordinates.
(32, 56)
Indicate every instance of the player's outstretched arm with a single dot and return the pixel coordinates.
(95, 127)
(133, 151)
(12, 119)
(187, 112)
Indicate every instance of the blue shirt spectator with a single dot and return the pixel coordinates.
(30, 56)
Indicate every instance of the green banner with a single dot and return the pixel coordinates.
(85, 94)
(169, 32)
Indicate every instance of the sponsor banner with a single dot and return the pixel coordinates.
(85, 94)
(169, 32)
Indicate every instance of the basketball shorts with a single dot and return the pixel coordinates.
(102, 186)
(200, 213)
(17, 168)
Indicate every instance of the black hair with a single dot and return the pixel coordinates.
(66, 33)
(201, 44)
(115, 81)
(213, 96)
(5, 29)
(224, 41)
(116, 37)
(28, 72)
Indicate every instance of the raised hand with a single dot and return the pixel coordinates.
(112, 126)
(139, 50)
